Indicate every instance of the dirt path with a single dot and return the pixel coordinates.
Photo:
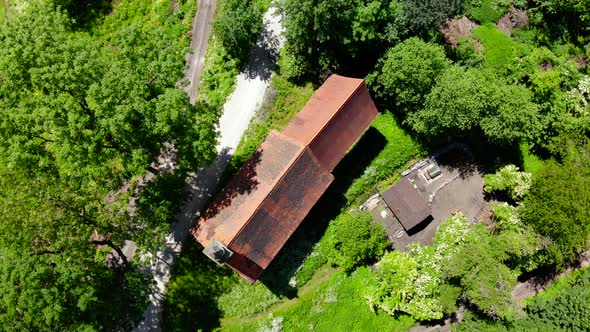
(238, 110)
(534, 286)
(199, 42)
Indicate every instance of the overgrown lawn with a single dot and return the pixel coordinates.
(337, 305)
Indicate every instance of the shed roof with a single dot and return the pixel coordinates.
(408, 205)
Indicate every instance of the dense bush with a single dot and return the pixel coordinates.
(355, 239)
(407, 72)
(508, 179)
(556, 205)
(464, 102)
(488, 11)
(563, 306)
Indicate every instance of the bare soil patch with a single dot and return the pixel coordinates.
(516, 18)
(456, 29)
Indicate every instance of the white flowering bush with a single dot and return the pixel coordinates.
(510, 180)
(506, 217)
(577, 99)
(400, 285)
(274, 324)
(410, 282)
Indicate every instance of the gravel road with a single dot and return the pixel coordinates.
(237, 112)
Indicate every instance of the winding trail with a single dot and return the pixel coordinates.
(241, 105)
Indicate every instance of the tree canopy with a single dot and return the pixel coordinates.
(407, 73)
(355, 240)
(82, 116)
(557, 205)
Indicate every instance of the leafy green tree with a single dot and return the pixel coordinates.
(51, 273)
(316, 32)
(515, 119)
(560, 20)
(478, 269)
(556, 206)
(471, 101)
(356, 239)
(338, 35)
(237, 26)
(567, 310)
(375, 19)
(456, 104)
(79, 115)
(407, 72)
(423, 16)
(83, 110)
(395, 284)
(510, 180)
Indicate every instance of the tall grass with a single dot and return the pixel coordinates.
(336, 305)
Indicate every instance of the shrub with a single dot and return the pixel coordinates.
(486, 11)
(508, 179)
(356, 239)
(557, 205)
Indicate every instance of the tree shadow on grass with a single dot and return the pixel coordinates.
(196, 284)
(329, 206)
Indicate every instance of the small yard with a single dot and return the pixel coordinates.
(336, 305)
(458, 188)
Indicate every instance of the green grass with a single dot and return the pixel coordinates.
(336, 305)
(384, 169)
(3, 9)
(243, 299)
(498, 49)
(531, 163)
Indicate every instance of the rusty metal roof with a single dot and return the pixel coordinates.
(333, 119)
(408, 205)
(258, 211)
(242, 196)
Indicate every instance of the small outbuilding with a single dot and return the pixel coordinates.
(263, 205)
(407, 204)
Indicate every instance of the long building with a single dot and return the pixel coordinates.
(262, 206)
